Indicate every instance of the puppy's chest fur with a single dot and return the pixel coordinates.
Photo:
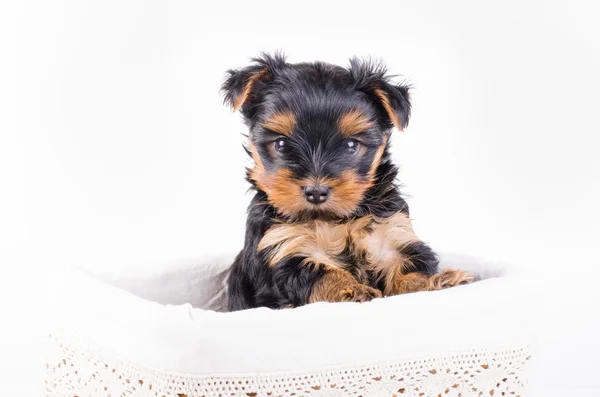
(364, 246)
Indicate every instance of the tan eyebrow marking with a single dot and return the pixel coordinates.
(281, 122)
(354, 122)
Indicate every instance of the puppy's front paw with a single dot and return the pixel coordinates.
(450, 278)
(359, 293)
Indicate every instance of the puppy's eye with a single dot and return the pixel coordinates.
(280, 145)
(352, 145)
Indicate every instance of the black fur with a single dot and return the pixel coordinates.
(318, 93)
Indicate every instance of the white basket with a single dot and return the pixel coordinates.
(133, 335)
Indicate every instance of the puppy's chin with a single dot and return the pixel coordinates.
(318, 214)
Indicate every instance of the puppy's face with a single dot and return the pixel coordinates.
(317, 131)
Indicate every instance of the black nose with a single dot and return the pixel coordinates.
(316, 194)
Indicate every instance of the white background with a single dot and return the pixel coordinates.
(116, 148)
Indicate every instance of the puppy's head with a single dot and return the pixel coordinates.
(317, 131)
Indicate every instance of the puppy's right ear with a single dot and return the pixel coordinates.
(239, 84)
(242, 87)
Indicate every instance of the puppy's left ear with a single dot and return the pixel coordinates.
(394, 99)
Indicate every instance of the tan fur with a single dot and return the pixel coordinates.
(320, 242)
(382, 245)
(407, 283)
(414, 282)
(354, 122)
(347, 192)
(285, 192)
(450, 278)
(382, 241)
(340, 286)
(377, 159)
(387, 105)
(257, 172)
(281, 122)
(248, 86)
(377, 240)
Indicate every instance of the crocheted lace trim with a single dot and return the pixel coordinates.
(76, 371)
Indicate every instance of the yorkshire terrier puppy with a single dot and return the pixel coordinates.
(327, 222)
